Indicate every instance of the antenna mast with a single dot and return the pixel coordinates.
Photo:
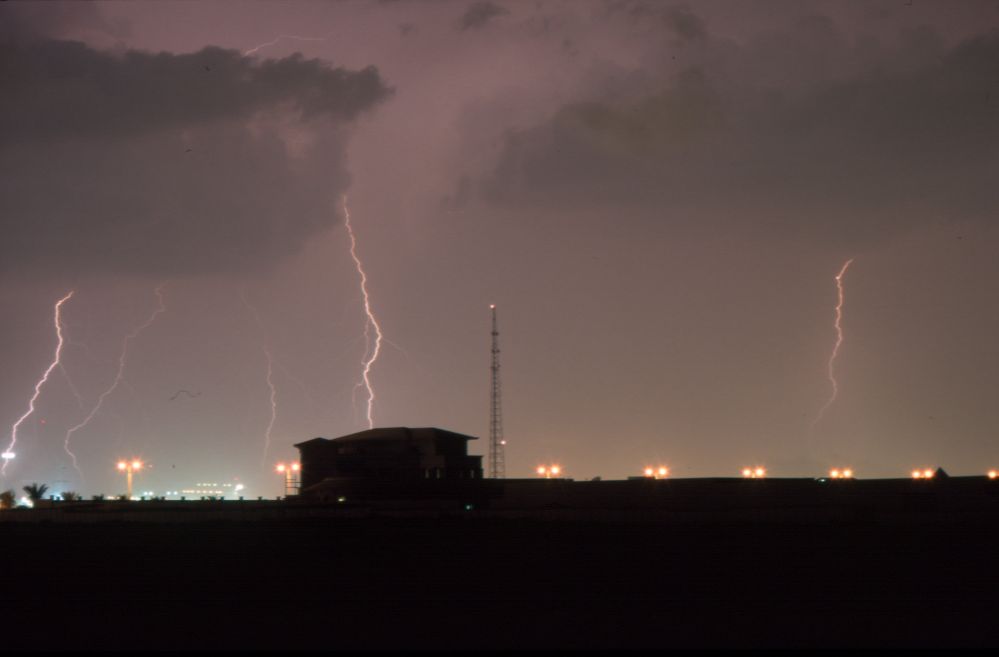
(497, 468)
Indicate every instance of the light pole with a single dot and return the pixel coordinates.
(661, 472)
(549, 471)
(129, 467)
(291, 480)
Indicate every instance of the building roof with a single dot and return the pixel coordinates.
(394, 433)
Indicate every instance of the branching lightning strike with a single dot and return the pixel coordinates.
(370, 354)
(270, 377)
(273, 41)
(838, 325)
(119, 375)
(41, 382)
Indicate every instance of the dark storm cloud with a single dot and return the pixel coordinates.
(837, 139)
(479, 14)
(169, 163)
(678, 18)
(56, 89)
(23, 21)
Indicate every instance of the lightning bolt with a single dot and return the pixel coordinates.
(838, 325)
(370, 354)
(41, 382)
(72, 386)
(119, 375)
(254, 49)
(270, 377)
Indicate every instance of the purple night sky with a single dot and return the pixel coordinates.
(657, 196)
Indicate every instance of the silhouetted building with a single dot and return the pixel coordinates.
(389, 454)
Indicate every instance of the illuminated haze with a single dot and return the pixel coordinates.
(656, 196)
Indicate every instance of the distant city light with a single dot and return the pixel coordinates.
(281, 467)
(993, 474)
(923, 474)
(759, 472)
(845, 473)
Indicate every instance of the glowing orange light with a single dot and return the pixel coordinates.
(927, 474)
(993, 474)
(663, 471)
(747, 472)
(759, 472)
(542, 470)
(295, 467)
(916, 474)
(648, 472)
(556, 469)
(280, 467)
(848, 473)
(122, 465)
(136, 465)
(834, 474)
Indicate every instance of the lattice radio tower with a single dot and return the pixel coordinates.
(497, 468)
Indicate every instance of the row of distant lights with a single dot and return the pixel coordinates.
(758, 472)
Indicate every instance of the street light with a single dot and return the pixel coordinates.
(656, 473)
(292, 483)
(130, 467)
(549, 471)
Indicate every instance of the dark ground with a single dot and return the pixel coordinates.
(499, 583)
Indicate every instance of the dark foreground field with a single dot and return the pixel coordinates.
(499, 583)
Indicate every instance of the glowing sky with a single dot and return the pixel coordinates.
(657, 196)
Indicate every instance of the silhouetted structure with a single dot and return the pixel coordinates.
(389, 454)
(497, 463)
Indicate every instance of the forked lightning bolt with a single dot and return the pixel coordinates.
(370, 354)
(119, 375)
(41, 382)
(270, 376)
(838, 325)
(278, 38)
